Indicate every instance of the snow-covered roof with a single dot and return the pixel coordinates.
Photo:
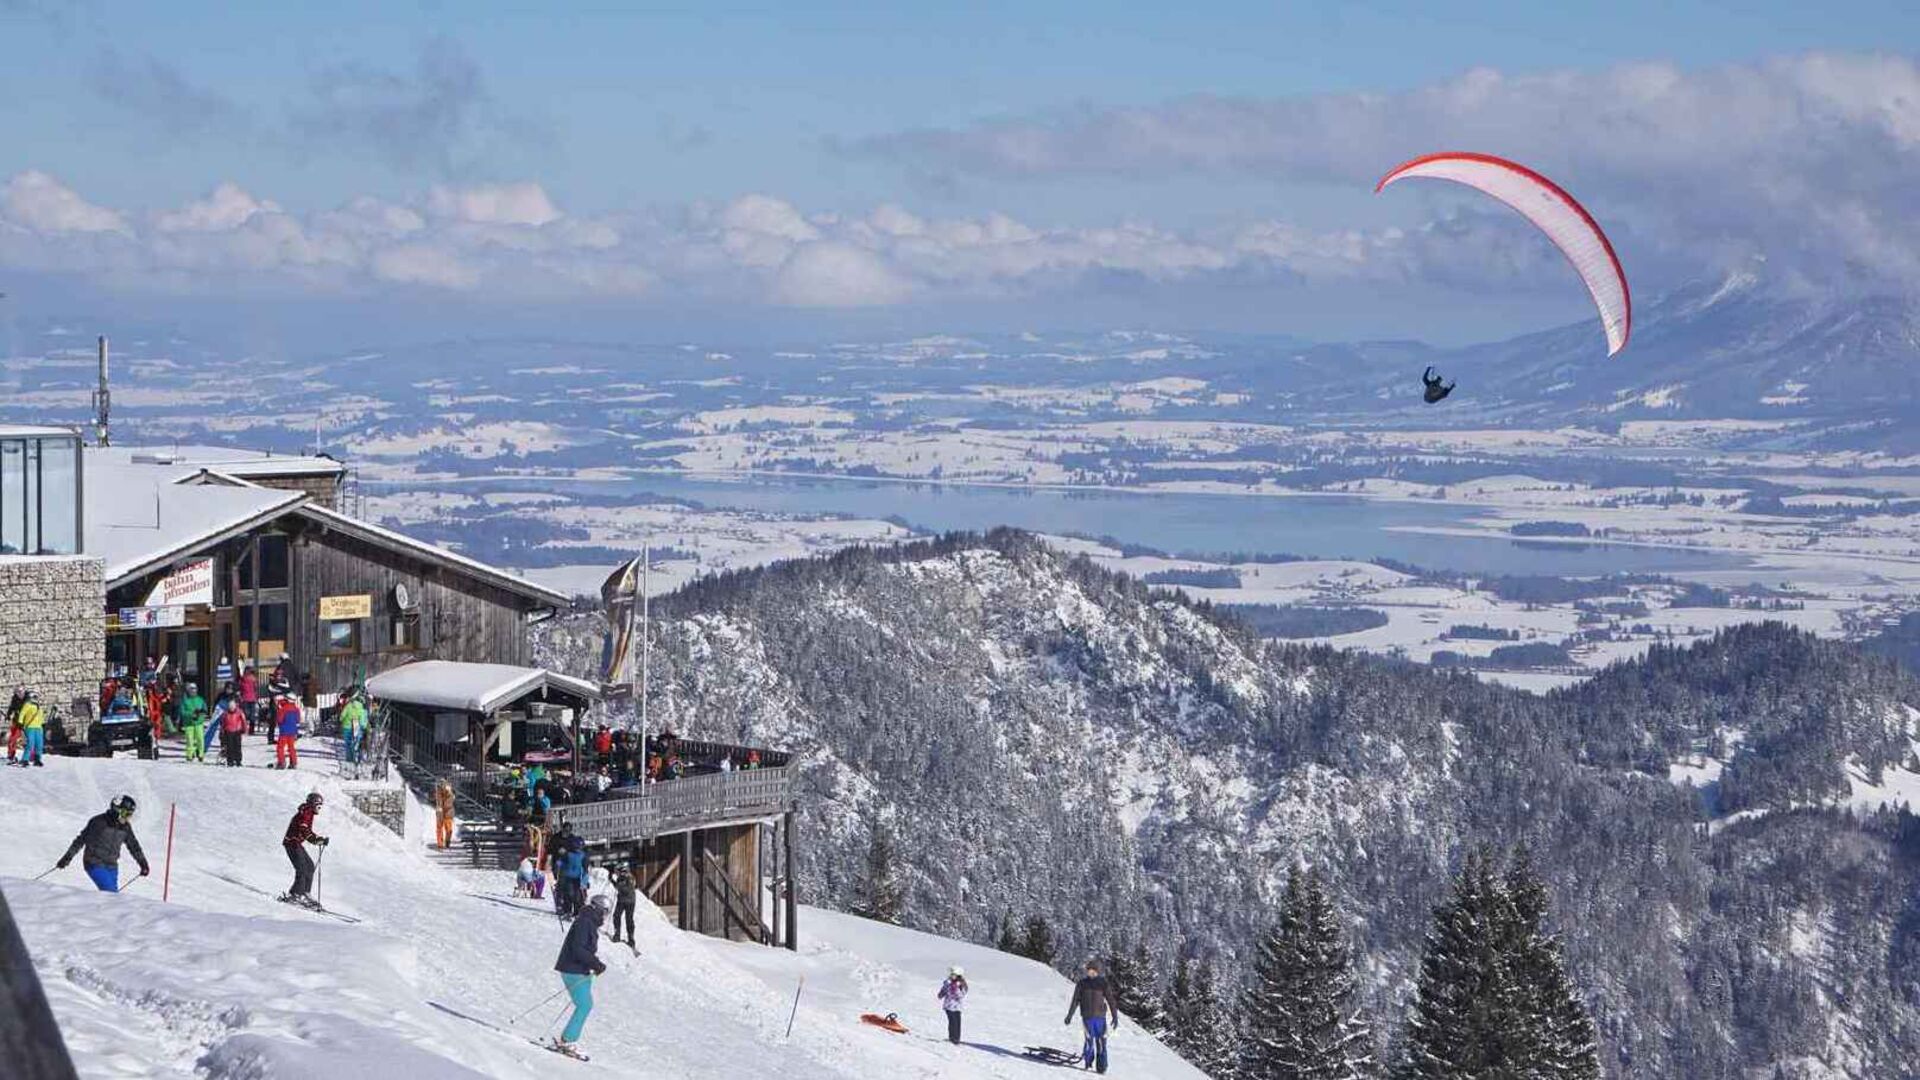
(476, 688)
(138, 519)
(185, 461)
(35, 431)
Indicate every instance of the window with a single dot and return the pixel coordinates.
(39, 495)
(343, 636)
(405, 631)
(273, 622)
(274, 564)
(13, 496)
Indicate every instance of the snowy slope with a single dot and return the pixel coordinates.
(225, 982)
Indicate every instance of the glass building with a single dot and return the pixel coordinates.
(40, 488)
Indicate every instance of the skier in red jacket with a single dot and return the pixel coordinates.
(299, 834)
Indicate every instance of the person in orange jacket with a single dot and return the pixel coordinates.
(443, 814)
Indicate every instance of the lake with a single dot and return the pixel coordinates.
(1314, 525)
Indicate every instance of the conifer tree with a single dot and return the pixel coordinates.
(1300, 1018)
(1008, 941)
(1136, 989)
(1560, 1041)
(1216, 1036)
(883, 896)
(1038, 943)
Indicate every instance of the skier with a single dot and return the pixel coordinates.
(443, 814)
(299, 834)
(952, 994)
(353, 727)
(193, 721)
(33, 725)
(233, 729)
(624, 891)
(1094, 1001)
(571, 868)
(286, 726)
(14, 706)
(579, 962)
(1435, 391)
(101, 840)
(250, 695)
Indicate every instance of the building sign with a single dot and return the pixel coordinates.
(346, 607)
(152, 618)
(190, 583)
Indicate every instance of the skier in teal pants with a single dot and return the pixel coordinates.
(579, 962)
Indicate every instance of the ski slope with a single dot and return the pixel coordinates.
(225, 982)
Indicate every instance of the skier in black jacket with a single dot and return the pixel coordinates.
(1094, 1001)
(102, 839)
(624, 892)
(579, 962)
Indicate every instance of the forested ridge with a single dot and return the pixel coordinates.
(1041, 738)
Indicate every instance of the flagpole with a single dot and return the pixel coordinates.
(646, 647)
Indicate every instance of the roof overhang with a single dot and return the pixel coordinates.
(157, 560)
(476, 688)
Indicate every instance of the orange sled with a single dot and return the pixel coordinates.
(890, 1022)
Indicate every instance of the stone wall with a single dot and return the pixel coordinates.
(52, 629)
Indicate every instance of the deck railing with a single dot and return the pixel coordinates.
(672, 806)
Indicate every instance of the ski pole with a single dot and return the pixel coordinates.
(796, 1005)
(166, 877)
(537, 1005)
(320, 877)
(128, 885)
(45, 872)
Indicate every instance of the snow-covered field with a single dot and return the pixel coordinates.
(225, 983)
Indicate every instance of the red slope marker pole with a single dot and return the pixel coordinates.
(166, 875)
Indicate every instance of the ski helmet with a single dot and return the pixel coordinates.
(123, 805)
(314, 800)
(956, 972)
(601, 902)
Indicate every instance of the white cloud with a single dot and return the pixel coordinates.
(828, 274)
(524, 203)
(228, 207)
(33, 200)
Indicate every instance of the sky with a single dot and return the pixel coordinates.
(849, 167)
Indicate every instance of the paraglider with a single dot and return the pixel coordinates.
(1435, 389)
(1553, 212)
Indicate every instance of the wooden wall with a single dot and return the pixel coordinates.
(460, 618)
(737, 847)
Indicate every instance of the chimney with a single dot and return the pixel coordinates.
(102, 400)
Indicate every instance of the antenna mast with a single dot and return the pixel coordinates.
(102, 400)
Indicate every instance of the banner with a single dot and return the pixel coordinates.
(189, 583)
(620, 594)
(152, 618)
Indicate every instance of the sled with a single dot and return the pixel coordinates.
(1050, 1055)
(890, 1022)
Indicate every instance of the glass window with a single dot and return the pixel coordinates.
(273, 622)
(406, 631)
(343, 636)
(13, 491)
(274, 564)
(59, 496)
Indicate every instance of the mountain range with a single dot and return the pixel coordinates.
(1039, 736)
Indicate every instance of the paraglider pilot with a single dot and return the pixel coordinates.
(1435, 388)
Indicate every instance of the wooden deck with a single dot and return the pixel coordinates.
(672, 806)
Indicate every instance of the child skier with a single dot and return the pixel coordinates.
(299, 834)
(579, 962)
(101, 839)
(286, 726)
(33, 725)
(233, 729)
(952, 994)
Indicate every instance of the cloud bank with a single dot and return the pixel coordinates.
(1809, 160)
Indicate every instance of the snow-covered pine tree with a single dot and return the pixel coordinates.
(883, 897)
(1038, 943)
(1560, 1040)
(1136, 988)
(1300, 1019)
(1216, 1036)
(1458, 1027)
(1009, 939)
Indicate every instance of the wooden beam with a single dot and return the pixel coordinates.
(687, 869)
(661, 877)
(793, 902)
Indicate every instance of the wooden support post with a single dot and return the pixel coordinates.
(687, 869)
(793, 902)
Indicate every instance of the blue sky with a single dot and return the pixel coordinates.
(632, 135)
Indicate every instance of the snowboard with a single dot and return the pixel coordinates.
(889, 1022)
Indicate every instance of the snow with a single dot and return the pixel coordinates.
(224, 983)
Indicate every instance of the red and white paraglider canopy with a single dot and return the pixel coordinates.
(1553, 212)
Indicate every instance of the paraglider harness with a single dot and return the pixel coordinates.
(1435, 390)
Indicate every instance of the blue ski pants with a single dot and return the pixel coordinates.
(1094, 1051)
(105, 878)
(36, 744)
(580, 989)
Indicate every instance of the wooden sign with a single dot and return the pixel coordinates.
(346, 607)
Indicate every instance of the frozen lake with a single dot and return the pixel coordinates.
(1308, 525)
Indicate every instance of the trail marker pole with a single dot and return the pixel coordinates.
(166, 875)
(796, 1006)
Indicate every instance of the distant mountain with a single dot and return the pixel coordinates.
(1045, 737)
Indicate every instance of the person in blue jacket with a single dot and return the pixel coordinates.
(571, 869)
(579, 962)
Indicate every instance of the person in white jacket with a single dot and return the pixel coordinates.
(952, 995)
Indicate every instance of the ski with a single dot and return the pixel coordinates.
(309, 905)
(564, 1051)
(552, 1046)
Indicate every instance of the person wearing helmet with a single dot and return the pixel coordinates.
(33, 726)
(952, 994)
(193, 723)
(626, 894)
(579, 962)
(286, 726)
(99, 845)
(299, 834)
